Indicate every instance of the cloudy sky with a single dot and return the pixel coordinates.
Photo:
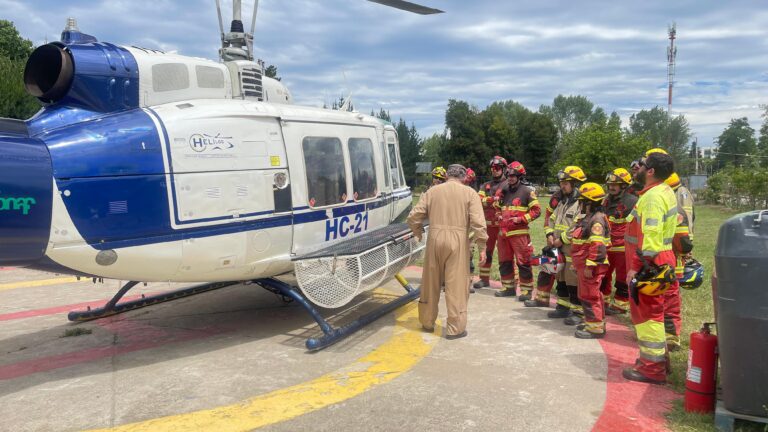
(613, 52)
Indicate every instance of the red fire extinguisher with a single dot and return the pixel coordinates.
(701, 379)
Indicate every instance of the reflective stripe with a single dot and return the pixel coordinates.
(517, 232)
(652, 345)
(671, 213)
(533, 203)
(594, 327)
(548, 230)
(616, 249)
(592, 263)
(564, 302)
(542, 296)
(667, 241)
(561, 227)
(651, 222)
(650, 254)
(550, 209)
(655, 358)
(578, 241)
(630, 239)
(652, 340)
(517, 208)
(681, 230)
(491, 223)
(568, 258)
(617, 220)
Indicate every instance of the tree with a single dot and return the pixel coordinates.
(12, 45)
(736, 144)
(14, 51)
(271, 71)
(762, 143)
(538, 136)
(501, 133)
(409, 149)
(571, 113)
(431, 148)
(466, 139)
(600, 148)
(384, 115)
(671, 134)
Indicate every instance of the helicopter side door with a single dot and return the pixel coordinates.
(336, 183)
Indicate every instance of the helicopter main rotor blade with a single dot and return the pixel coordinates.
(408, 6)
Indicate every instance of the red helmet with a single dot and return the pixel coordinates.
(499, 161)
(471, 176)
(516, 169)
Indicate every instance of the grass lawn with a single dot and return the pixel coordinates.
(697, 309)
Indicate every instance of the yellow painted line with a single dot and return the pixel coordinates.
(37, 283)
(402, 351)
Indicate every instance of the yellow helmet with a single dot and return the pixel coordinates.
(439, 173)
(619, 176)
(656, 150)
(591, 191)
(571, 173)
(673, 181)
(654, 281)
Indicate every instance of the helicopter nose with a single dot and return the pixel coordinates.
(26, 196)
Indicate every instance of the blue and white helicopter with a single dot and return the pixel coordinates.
(149, 166)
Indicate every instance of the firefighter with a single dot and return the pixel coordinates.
(618, 204)
(634, 187)
(654, 220)
(684, 199)
(682, 245)
(453, 210)
(562, 210)
(519, 207)
(492, 214)
(591, 239)
(438, 176)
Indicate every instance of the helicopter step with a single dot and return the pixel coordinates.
(112, 307)
(331, 277)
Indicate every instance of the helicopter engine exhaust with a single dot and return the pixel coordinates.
(49, 73)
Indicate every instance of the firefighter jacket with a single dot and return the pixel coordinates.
(655, 221)
(565, 209)
(519, 207)
(682, 243)
(487, 194)
(591, 237)
(634, 189)
(617, 209)
(554, 200)
(685, 203)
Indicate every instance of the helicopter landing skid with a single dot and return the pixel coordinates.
(113, 308)
(332, 335)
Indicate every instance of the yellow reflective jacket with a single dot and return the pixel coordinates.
(656, 213)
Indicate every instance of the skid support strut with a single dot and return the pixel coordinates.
(112, 307)
(332, 335)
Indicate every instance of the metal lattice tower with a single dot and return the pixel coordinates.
(671, 55)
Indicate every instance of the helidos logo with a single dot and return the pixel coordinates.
(11, 204)
(201, 143)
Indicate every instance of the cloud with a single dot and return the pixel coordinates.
(481, 51)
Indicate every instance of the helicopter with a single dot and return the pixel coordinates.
(147, 166)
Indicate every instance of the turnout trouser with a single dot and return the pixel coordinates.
(485, 268)
(445, 262)
(522, 250)
(617, 263)
(590, 295)
(648, 318)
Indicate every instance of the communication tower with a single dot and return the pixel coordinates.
(671, 55)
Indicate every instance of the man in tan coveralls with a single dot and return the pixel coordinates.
(454, 211)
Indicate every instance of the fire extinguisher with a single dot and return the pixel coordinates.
(701, 379)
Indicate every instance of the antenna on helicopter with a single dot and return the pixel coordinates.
(236, 44)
